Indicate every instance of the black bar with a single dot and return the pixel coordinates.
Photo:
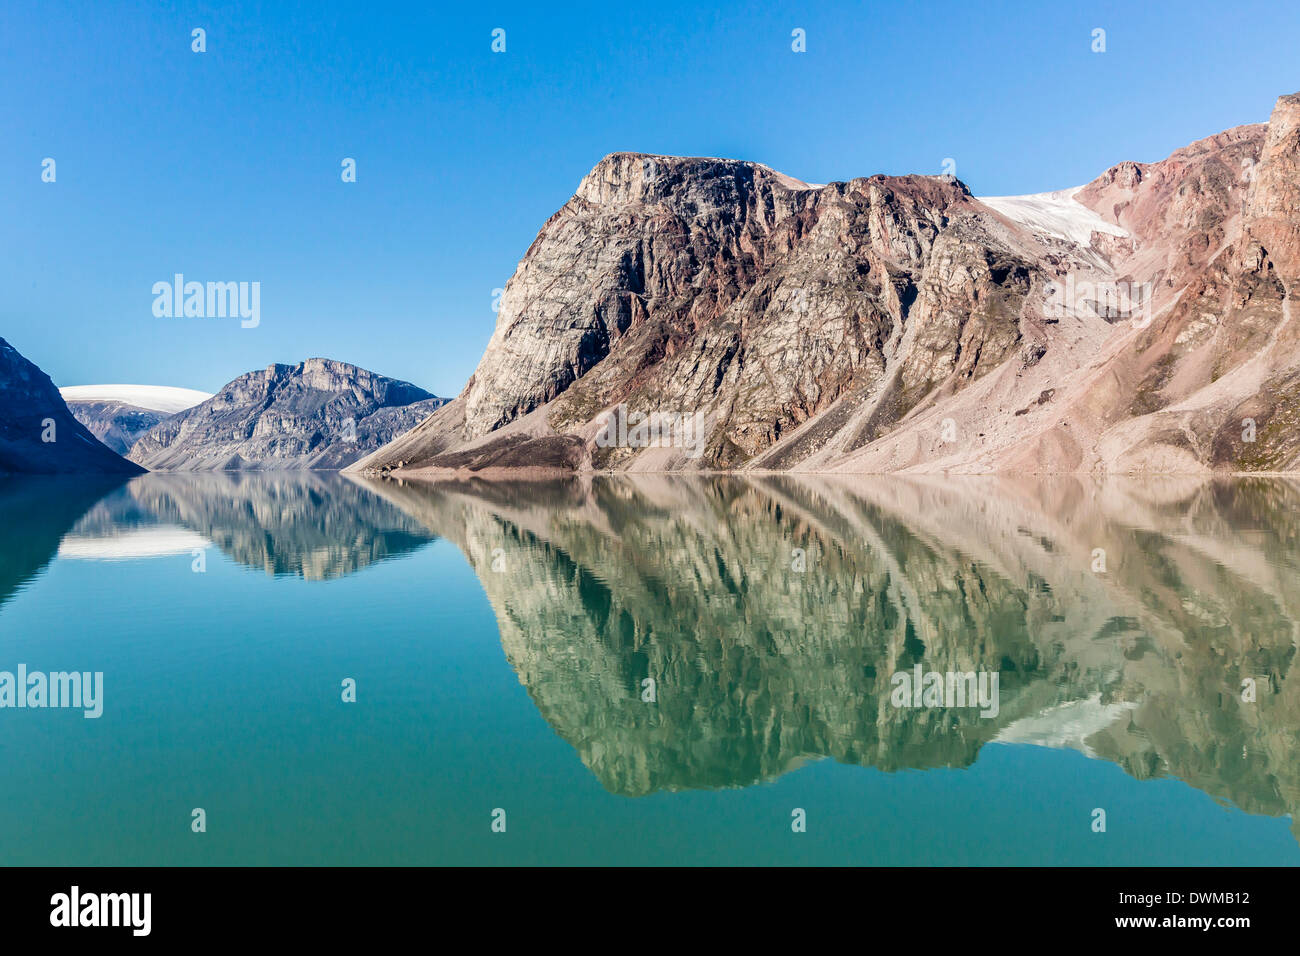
(332, 906)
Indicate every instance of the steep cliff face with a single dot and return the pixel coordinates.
(725, 289)
(1273, 208)
(38, 434)
(1210, 384)
(893, 323)
(316, 414)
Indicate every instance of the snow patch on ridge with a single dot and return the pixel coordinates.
(158, 398)
(1056, 213)
(1066, 725)
(788, 181)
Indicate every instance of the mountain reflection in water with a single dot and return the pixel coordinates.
(1123, 617)
(602, 584)
(311, 525)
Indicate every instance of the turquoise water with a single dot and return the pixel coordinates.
(500, 637)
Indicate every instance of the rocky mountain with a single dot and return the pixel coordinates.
(118, 426)
(1139, 323)
(119, 414)
(38, 434)
(316, 414)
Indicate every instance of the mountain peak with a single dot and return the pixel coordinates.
(318, 413)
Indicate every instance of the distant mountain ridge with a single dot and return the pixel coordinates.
(119, 414)
(319, 414)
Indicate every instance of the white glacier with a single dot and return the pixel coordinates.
(158, 398)
(1057, 214)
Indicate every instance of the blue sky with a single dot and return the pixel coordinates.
(225, 165)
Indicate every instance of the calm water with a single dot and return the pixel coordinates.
(501, 637)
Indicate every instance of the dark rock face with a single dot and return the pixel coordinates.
(316, 414)
(117, 424)
(1273, 207)
(38, 434)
